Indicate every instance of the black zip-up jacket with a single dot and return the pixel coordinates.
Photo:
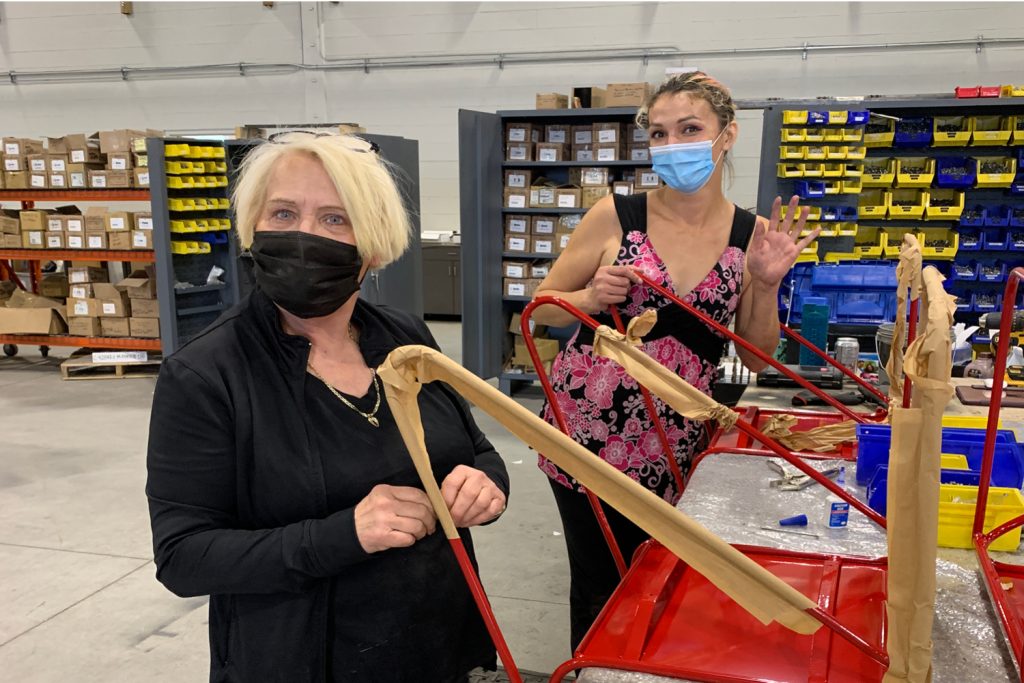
(236, 489)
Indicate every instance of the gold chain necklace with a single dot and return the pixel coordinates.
(370, 416)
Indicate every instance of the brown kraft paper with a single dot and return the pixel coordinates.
(908, 277)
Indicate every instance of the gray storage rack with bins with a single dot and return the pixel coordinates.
(486, 342)
(770, 185)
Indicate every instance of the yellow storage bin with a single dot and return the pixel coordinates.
(813, 212)
(954, 461)
(967, 421)
(907, 204)
(223, 203)
(871, 204)
(852, 186)
(939, 244)
(812, 170)
(1018, 132)
(221, 181)
(809, 254)
(856, 152)
(870, 242)
(793, 135)
(814, 134)
(178, 167)
(879, 133)
(204, 248)
(894, 240)
(855, 170)
(836, 152)
(841, 257)
(951, 131)
(991, 131)
(879, 172)
(791, 152)
(186, 247)
(794, 116)
(175, 150)
(833, 135)
(1012, 91)
(956, 515)
(944, 205)
(837, 117)
(995, 171)
(915, 172)
(853, 134)
(815, 153)
(833, 186)
(833, 171)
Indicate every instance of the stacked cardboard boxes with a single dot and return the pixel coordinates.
(140, 287)
(67, 227)
(102, 160)
(96, 308)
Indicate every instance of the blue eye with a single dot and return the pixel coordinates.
(334, 219)
(282, 214)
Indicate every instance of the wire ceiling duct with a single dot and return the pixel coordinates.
(500, 60)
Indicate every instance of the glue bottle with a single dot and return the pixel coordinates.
(838, 509)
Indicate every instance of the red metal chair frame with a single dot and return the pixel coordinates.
(1009, 604)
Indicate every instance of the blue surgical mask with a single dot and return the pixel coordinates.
(685, 167)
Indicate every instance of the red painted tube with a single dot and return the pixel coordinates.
(740, 341)
(673, 466)
(803, 341)
(473, 581)
(988, 454)
(831, 622)
(911, 335)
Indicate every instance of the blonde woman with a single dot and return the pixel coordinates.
(278, 481)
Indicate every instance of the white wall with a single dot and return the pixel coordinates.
(423, 103)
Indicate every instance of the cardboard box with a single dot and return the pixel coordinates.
(588, 98)
(142, 220)
(562, 240)
(141, 160)
(543, 245)
(72, 222)
(96, 240)
(145, 328)
(87, 274)
(115, 327)
(114, 141)
(10, 223)
(17, 180)
(21, 146)
(54, 240)
(119, 240)
(521, 132)
(589, 176)
(78, 174)
(622, 187)
(114, 302)
(142, 239)
(567, 197)
(11, 242)
(33, 239)
(38, 181)
(547, 349)
(641, 152)
(542, 196)
(636, 134)
(84, 327)
(558, 133)
(95, 219)
(140, 177)
(54, 286)
(36, 163)
(57, 163)
(514, 198)
(519, 286)
(118, 220)
(517, 225)
(517, 270)
(543, 225)
(519, 151)
(82, 308)
(609, 151)
(141, 284)
(80, 291)
(145, 308)
(15, 163)
(30, 321)
(627, 94)
(592, 195)
(582, 152)
(515, 326)
(552, 100)
(646, 180)
(119, 161)
(569, 221)
(79, 148)
(582, 135)
(74, 240)
(518, 179)
(551, 151)
(110, 179)
(606, 133)
(58, 181)
(517, 244)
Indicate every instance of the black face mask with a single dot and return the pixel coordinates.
(307, 275)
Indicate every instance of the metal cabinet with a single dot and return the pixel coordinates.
(442, 280)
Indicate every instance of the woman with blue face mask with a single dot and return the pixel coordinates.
(690, 238)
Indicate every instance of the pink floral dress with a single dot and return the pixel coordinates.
(603, 407)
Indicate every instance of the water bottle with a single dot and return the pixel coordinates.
(814, 326)
(838, 509)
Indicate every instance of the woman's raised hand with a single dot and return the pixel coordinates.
(774, 249)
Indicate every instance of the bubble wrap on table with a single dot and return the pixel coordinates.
(968, 645)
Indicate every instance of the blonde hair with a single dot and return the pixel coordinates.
(364, 182)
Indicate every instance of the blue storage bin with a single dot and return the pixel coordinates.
(864, 307)
(963, 179)
(801, 287)
(981, 306)
(876, 493)
(1017, 217)
(970, 240)
(848, 213)
(997, 216)
(1007, 469)
(913, 132)
(817, 118)
(964, 272)
(809, 189)
(857, 118)
(965, 302)
(830, 213)
(213, 237)
(1017, 187)
(999, 276)
(994, 239)
(973, 217)
(1016, 242)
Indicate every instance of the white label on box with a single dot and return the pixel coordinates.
(145, 224)
(622, 189)
(557, 136)
(38, 181)
(54, 242)
(143, 179)
(11, 164)
(542, 246)
(517, 201)
(606, 135)
(585, 155)
(54, 224)
(517, 180)
(517, 225)
(566, 201)
(120, 357)
(606, 154)
(78, 156)
(81, 308)
(517, 135)
(517, 153)
(648, 179)
(76, 277)
(78, 292)
(57, 180)
(35, 238)
(544, 227)
(139, 239)
(640, 135)
(119, 163)
(12, 148)
(538, 272)
(99, 181)
(547, 154)
(583, 137)
(95, 241)
(109, 308)
(74, 225)
(516, 289)
(516, 244)
(77, 179)
(117, 223)
(640, 154)
(594, 176)
(563, 241)
(515, 271)
(546, 195)
(57, 165)
(37, 165)
(74, 241)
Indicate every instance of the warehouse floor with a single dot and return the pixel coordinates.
(80, 601)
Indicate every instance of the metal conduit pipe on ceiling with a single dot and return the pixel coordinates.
(500, 60)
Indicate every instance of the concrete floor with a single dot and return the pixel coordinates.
(79, 598)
